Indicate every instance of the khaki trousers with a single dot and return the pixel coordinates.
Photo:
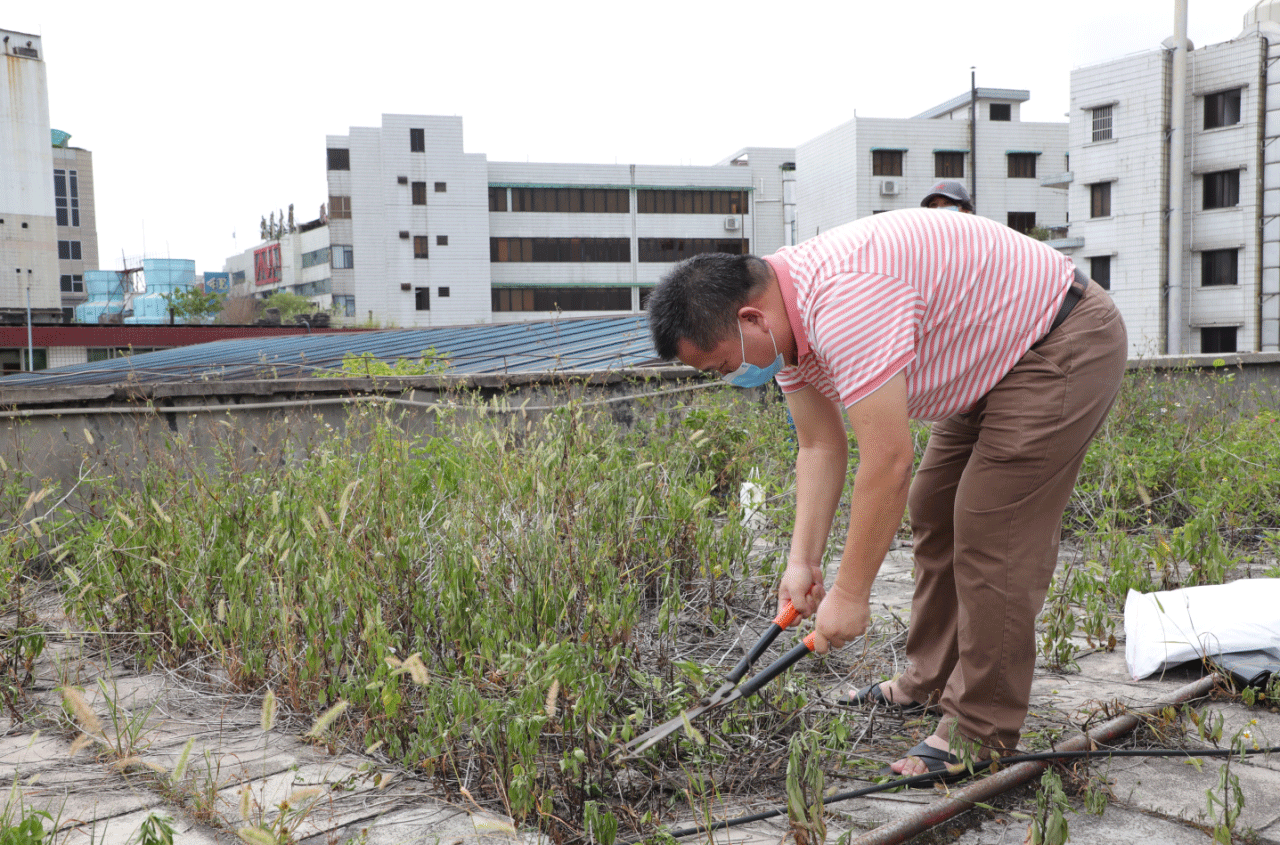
(986, 511)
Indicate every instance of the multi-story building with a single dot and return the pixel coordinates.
(1228, 273)
(869, 165)
(296, 261)
(28, 228)
(419, 232)
(76, 218)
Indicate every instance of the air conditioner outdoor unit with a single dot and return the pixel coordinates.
(731, 224)
(888, 187)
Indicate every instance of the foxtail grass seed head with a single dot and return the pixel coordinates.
(246, 803)
(180, 767)
(488, 825)
(305, 795)
(327, 719)
(88, 436)
(79, 744)
(268, 710)
(256, 836)
(81, 711)
(417, 669)
(160, 511)
(552, 695)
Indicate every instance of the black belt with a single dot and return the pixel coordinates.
(1078, 285)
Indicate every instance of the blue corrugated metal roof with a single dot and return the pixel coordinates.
(560, 345)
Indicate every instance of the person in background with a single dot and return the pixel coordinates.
(949, 195)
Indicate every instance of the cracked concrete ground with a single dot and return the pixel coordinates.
(237, 774)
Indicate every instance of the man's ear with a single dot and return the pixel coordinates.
(751, 314)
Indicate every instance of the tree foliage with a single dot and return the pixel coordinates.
(192, 305)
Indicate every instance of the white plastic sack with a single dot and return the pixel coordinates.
(1166, 628)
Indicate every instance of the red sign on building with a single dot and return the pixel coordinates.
(266, 265)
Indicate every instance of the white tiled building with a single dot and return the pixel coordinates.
(28, 227)
(1119, 190)
(868, 165)
(421, 233)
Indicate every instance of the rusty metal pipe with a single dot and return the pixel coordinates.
(1018, 774)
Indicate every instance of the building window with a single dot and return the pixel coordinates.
(1000, 111)
(886, 162)
(66, 197)
(419, 193)
(1022, 221)
(417, 140)
(345, 303)
(69, 250)
(565, 200)
(1022, 165)
(442, 240)
(237, 277)
(20, 360)
(1102, 123)
(691, 202)
(420, 246)
(315, 258)
(442, 292)
(497, 199)
(1222, 189)
(589, 250)
(948, 165)
(339, 208)
(441, 187)
(561, 299)
(1222, 109)
(678, 249)
(342, 258)
(1100, 270)
(339, 159)
(1217, 339)
(422, 299)
(1100, 199)
(1219, 267)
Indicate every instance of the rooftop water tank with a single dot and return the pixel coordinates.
(1264, 11)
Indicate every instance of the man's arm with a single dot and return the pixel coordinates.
(885, 456)
(821, 464)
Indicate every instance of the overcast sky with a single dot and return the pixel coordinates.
(204, 118)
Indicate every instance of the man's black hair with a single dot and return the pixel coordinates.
(698, 300)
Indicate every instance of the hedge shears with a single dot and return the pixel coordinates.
(729, 690)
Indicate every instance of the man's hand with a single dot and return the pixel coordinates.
(842, 618)
(802, 586)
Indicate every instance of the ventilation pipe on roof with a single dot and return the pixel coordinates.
(1177, 168)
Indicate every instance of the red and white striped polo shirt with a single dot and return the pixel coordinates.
(952, 299)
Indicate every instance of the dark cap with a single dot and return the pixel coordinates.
(952, 190)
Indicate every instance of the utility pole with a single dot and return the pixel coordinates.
(1177, 164)
(973, 138)
(31, 349)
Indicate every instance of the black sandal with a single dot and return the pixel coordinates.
(944, 765)
(872, 696)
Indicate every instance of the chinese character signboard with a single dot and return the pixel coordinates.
(217, 283)
(266, 265)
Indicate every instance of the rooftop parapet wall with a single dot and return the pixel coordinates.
(62, 434)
